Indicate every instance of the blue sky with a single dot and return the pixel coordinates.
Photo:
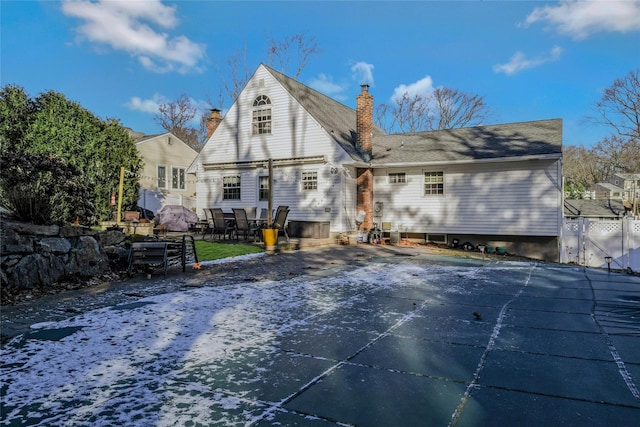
(531, 60)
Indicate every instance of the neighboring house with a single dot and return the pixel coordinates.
(593, 209)
(630, 184)
(164, 179)
(498, 184)
(606, 191)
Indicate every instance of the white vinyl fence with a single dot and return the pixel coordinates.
(587, 242)
(154, 200)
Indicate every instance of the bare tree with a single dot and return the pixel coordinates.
(619, 106)
(618, 155)
(279, 56)
(441, 109)
(177, 117)
(411, 113)
(237, 66)
(581, 166)
(456, 109)
(383, 118)
(280, 52)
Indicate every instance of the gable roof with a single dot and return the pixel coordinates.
(141, 138)
(512, 141)
(593, 208)
(541, 138)
(627, 176)
(337, 119)
(607, 187)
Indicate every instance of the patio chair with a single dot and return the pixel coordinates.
(210, 226)
(280, 220)
(251, 212)
(220, 225)
(243, 225)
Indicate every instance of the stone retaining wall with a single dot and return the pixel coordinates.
(37, 256)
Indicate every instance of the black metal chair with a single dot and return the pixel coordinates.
(218, 224)
(243, 225)
(280, 220)
(210, 226)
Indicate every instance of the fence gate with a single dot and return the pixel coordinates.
(587, 242)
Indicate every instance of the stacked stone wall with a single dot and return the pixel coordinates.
(37, 257)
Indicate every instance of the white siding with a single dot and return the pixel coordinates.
(517, 198)
(169, 151)
(323, 204)
(294, 134)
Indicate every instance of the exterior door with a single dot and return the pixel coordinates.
(262, 196)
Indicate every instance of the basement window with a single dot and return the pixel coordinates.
(436, 238)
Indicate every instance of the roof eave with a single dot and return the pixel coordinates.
(375, 165)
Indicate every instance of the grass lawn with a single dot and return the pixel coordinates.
(208, 251)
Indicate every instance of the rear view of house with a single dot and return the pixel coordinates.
(499, 184)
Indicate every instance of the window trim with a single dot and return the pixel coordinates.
(395, 180)
(230, 190)
(309, 180)
(182, 176)
(261, 116)
(164, 178)
(434, 173)
(263, 192)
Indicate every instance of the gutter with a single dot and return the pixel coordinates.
(556, 156)
(252, 164)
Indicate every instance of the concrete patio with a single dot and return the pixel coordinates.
(397, 336)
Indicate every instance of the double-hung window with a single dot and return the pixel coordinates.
(162, 176)
(261, 115)
(309, 180)
(263, 188)
(397, 178)
(231, 188)
(178, 180)
(434, 183)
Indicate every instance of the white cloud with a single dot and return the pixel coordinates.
(423, 86)
(362, 72)
(519, 62)
(127, 26)
(582, 18)
(325, 84)
(146, 105)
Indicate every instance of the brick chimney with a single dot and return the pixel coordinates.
(364, 122)
(364, 142)
(213, 122)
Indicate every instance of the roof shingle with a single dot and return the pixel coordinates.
(542, 137)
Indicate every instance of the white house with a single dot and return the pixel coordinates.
(164, 179)
(499, 184)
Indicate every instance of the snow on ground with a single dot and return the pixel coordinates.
(180, 358)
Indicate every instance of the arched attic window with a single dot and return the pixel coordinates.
(261, 115)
